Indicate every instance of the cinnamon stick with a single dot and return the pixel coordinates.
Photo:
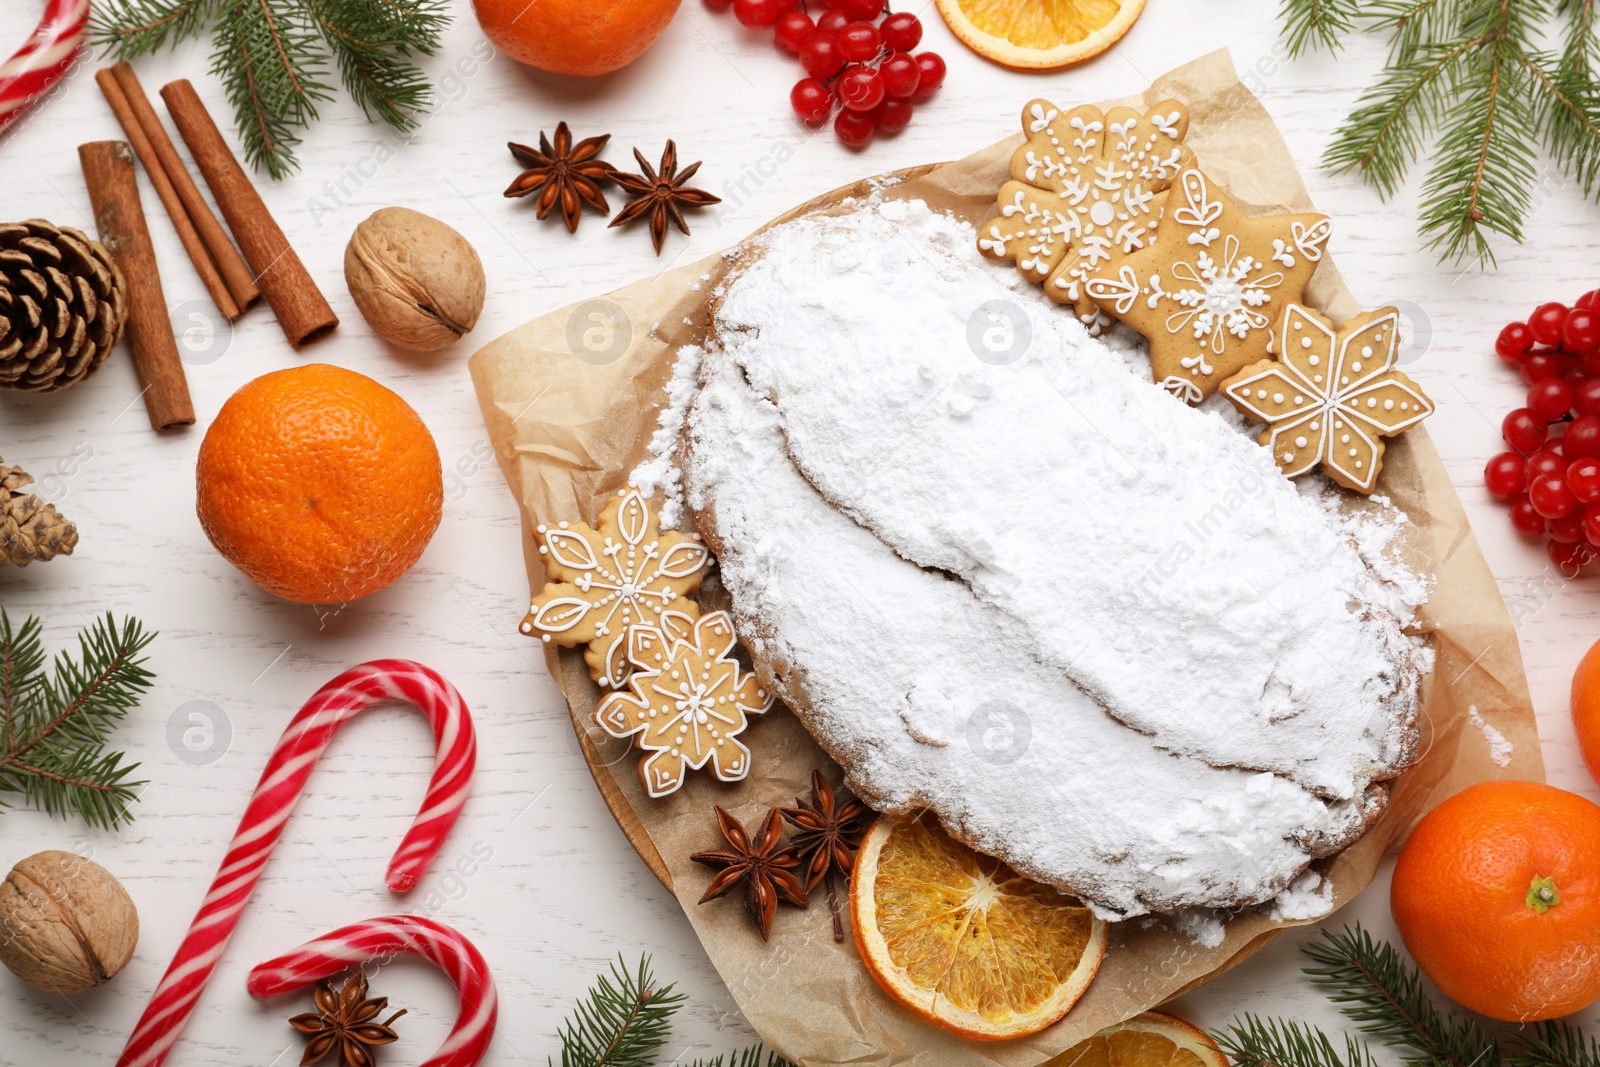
(198, 254)
(302, 310)
(241, 283)
(118, 215)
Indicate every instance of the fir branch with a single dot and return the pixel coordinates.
(1568, 111)
(1312, 25)
(755, 1056)
(274, 58)
(271, 67)
(370, 53)
(419, 24)
(1578, 56)
(1469, 83)
(1261, 1042)
(1414, 23)
(21, 671)
(1484, 165)
(1375, 986)
(130, 28)
(1555, 1044)
(55, 726)
(623, 1022)
(1391, 120)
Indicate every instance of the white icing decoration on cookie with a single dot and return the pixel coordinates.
(1221, 295)
(1167, 124)
(687, 701)
(1310, 241)
(1086, 189)
(1360, 376)
(623, 573)
(1203, 284)
(1200, 210)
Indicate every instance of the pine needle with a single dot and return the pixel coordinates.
(1376, 987)
(142, 27)
(371, 59)
(1484, 166)
(1317, 24)
(274, 58)
(623, 1022)
(1382, 992)
(1566, 109)
(1393, 119)
(1469, 85)
(264, 53)
(54, 726)
(1414, 22)
(1257, 1042)
(1555, 1044)
(754, 1056)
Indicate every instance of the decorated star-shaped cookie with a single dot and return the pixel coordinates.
(1209, 291)
(1087, 189)
(1332, 397)
(606, 579)
(687, 702)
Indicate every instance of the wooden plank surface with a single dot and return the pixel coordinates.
(554, 888)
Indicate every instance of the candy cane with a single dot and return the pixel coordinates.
(410, 935)
(43, 60)
(280, 787)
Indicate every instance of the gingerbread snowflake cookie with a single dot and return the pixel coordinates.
(1209, 290)
(604, 579)
(1332, 397)
(687, 702)
(1088, 188)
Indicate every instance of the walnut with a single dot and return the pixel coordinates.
(418, 283)
(66, 924)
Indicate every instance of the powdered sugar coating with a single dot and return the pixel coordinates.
(658, 476)
(1145, 549)
(930, 697)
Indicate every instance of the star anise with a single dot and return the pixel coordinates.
(660, 194)
(766, 871)
(345, 1021)
(827, 838)
(565, 173)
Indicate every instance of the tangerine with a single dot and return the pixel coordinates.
(320, 484)
(1586, 709)
(1497, 896)
(574, 36)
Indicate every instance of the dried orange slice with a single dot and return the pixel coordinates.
(1039, 34)
(1153, 1039)
(962, 939)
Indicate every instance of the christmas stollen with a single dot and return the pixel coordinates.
(1168, 613)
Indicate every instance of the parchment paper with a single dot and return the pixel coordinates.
(570, 414)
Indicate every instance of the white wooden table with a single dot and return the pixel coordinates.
(561, 891)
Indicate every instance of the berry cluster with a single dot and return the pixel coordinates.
(1551, 477)
(861, 72)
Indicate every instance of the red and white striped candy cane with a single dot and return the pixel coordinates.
(280, 787)
(43, 60)
(410, 935)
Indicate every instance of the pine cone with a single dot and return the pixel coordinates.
(30, 529)
(61, 306)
